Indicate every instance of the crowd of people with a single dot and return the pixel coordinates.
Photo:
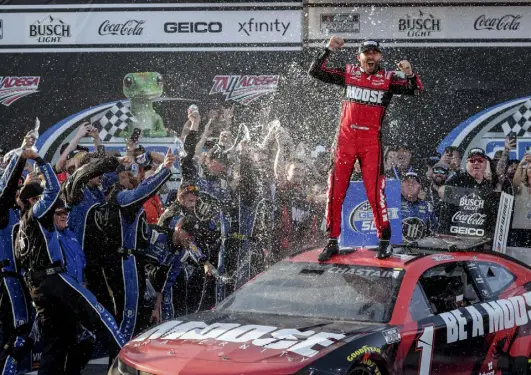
(111, 243)
(122, 241)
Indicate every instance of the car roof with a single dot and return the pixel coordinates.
(358, 256)
(367, 257)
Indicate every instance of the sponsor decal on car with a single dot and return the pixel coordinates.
(391, 335)
(442, 257)
(304, 343)
(244, 89)
(503, 314)
(13, 88)
(360, 271)
(362, 351)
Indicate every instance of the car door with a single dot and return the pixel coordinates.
(507, 328)
(443, 343)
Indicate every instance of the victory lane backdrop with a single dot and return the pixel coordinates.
(72, 82)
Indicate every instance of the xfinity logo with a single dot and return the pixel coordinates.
(253, 26)
(49, 30)
(130, 27)
(192, 27)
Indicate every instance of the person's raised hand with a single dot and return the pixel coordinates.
(336, 42)
(405, 67)
(28, 153)
(169, 159)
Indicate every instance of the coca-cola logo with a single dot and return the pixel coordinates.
(130, 27)
(506, 22)
(469, 219)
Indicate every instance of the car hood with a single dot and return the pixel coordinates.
(214, 343)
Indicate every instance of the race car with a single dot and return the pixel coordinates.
(438, 307)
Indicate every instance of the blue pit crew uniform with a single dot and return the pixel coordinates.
(418, 219)
(212, 207)
(60, 300)
(15, 306)
(88, 219)
(188, 291)
(129, 234)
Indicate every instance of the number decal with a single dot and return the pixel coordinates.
(425, 345)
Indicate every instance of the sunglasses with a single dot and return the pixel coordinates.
(476, 161)
(439, 171)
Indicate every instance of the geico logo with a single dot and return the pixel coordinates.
(193, 27)
(365, 95)
(468, 231)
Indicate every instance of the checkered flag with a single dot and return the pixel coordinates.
(519, 122)
(114, 121)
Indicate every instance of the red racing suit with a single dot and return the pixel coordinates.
(365, 100)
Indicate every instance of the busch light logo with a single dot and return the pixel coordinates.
(361, 219)
(471, 202)
(244, 89)
(50, 29)
(419, 24)
(488, 129)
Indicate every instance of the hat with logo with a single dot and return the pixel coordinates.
(476, 151)
(412, 175)
(30, 190)
(441, 167)
(368, 45)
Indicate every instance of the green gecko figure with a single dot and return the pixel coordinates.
(141, 89)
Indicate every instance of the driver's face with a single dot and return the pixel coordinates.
(370, 60)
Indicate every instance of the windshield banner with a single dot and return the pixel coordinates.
(467, 212)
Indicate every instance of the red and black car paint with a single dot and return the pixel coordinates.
(492, 336)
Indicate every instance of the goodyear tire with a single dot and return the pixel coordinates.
(366, 367)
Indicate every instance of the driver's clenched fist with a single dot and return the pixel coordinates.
(336, 42)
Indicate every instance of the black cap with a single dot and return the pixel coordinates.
(31, 190)
(189, 224)
(412, 175)
(442, 166)
(476, 151)
(368, 45)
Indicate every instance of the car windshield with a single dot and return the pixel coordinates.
(339, 292)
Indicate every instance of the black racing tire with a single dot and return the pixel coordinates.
(366, 367)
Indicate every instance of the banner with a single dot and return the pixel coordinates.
(503, 223)
(357, 224)
(176, 27)
(467, 212)
(422, 25)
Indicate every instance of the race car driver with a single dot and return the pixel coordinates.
(368, 91)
